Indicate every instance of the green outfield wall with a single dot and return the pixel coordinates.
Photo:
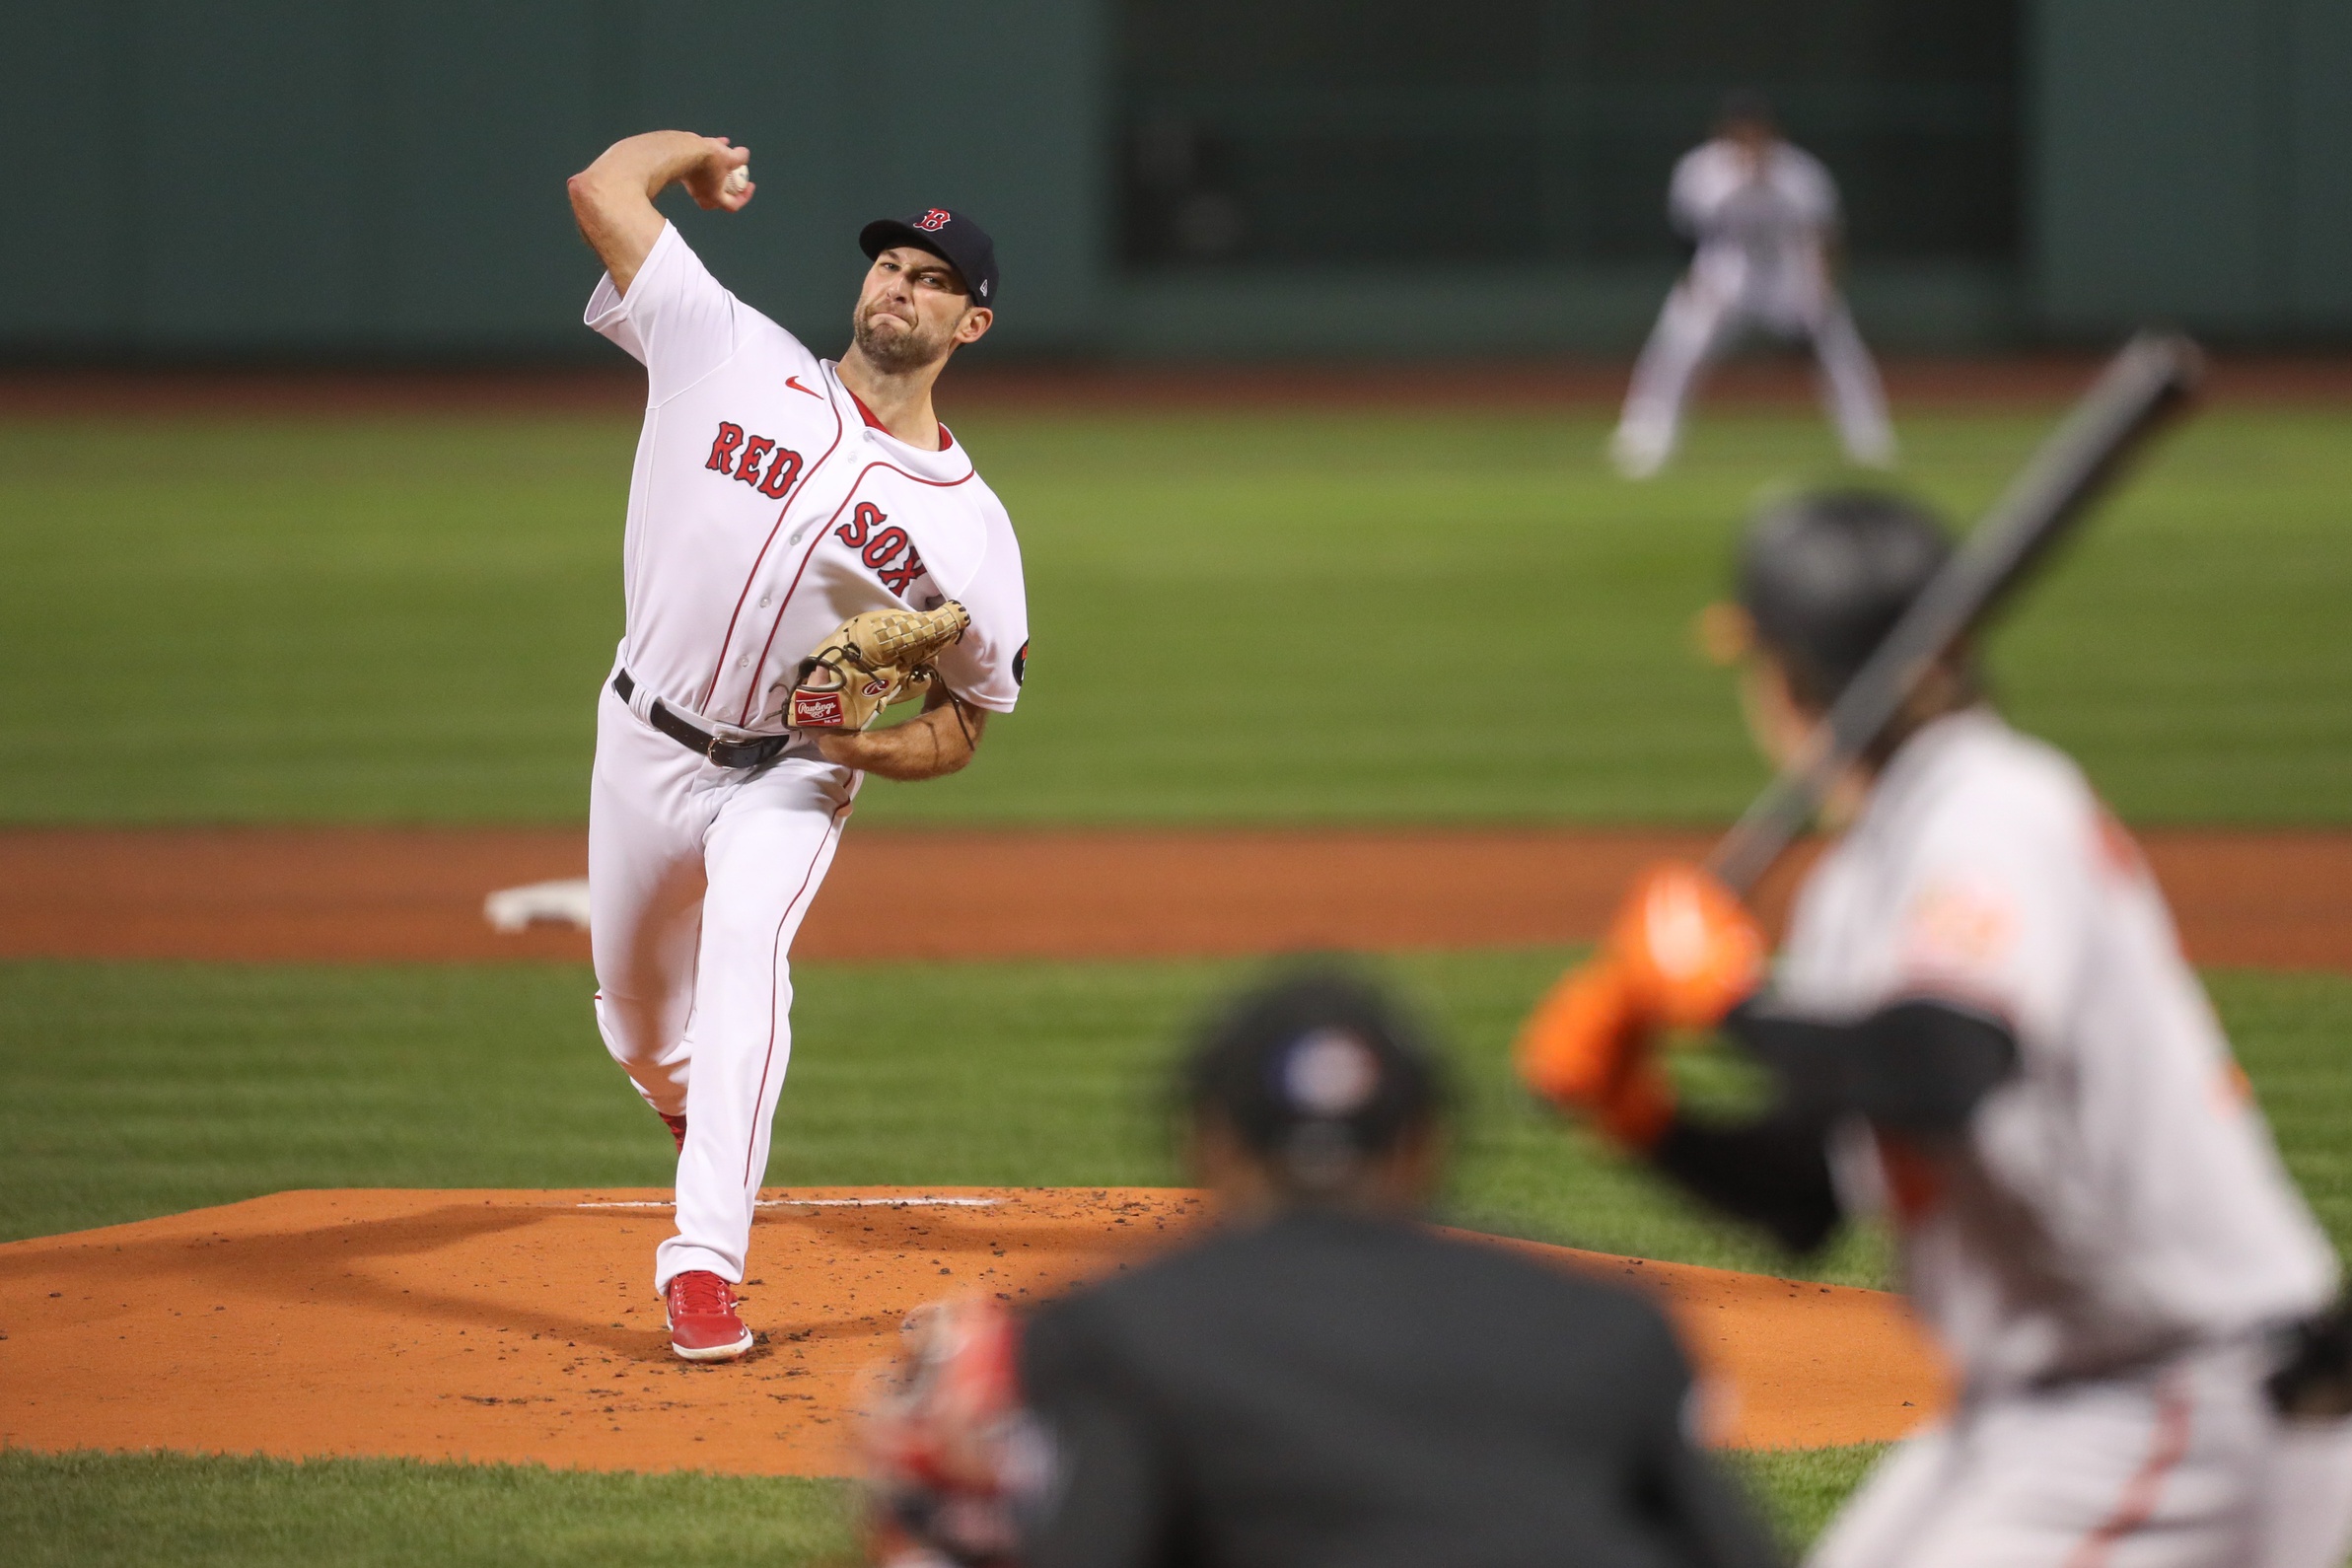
(2193, 161)
(332, 178)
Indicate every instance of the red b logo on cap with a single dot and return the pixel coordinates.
(933, 221)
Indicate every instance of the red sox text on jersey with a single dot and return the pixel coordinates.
(880, 543)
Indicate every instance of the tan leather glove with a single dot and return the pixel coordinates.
(872, 661)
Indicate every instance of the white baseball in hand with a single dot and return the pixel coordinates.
(739, 180)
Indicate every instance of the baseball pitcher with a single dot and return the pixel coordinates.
(1983, 1027)
(806, 545)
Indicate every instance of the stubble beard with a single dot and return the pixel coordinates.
(896, 352)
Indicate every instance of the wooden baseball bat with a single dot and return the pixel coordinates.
(2142, 389)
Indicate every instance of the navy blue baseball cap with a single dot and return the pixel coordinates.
(950, 235)
(1317, 1070)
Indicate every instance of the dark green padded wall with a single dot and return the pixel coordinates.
(387, 176)
(2193, 164)
(329, 177)
(2320, 186)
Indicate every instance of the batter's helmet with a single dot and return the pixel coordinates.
(1824, 577)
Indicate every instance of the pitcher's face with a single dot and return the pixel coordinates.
(914, 310)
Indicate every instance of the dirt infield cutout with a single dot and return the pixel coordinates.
(522, 1325)
(345, 895)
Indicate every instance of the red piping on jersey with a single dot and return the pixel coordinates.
(814, 539)
(710, 688)
(2137, 1505)
(775, 960)
(945, 440)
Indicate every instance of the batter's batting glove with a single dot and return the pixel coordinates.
(1681, 953)
(1690, 951)
(1588, 1048)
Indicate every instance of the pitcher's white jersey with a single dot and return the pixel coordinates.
(1762, 222)
(2120, 1197)
(765, 509)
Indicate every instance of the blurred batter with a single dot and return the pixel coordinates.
(1982, 1029)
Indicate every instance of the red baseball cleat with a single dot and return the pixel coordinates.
(678, 1129)
(700, 1308)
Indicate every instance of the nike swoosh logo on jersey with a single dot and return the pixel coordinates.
(794, 382)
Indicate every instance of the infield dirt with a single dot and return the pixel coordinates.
(387, 895)
(522, 1325)
(352, 894)
(1774, 381)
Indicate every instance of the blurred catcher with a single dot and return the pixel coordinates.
(1982, 1027)
(1322, 1378)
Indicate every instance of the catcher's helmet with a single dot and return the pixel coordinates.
(1314, 1071)
(1824, 577)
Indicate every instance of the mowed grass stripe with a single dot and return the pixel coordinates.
(145, 1089)
(139, 1089)
(186, 1511)
(1256, 617)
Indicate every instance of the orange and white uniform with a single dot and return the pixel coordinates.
(2109, 1245)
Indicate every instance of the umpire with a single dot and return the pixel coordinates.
(1327, 1380)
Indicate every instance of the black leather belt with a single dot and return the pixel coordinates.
(694, 738)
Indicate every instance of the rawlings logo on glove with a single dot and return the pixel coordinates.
(874, 660)
(815, 710)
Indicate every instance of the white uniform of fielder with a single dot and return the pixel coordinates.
(765, 508)
(1762, 216)
(2115, 1238)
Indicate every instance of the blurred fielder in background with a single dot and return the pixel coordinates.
(1983, 1026)
(1323, 1377)
(1764, 217)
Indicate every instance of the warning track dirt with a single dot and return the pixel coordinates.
(358, 895)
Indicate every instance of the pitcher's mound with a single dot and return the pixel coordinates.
(522, 1325)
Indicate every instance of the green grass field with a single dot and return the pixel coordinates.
(148, 1089)
(71, 1511)
(1469, 620)
(1237, 619)
(142, 1089)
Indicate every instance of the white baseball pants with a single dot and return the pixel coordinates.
(2186, 1467)
(699, 877)
(1700, 323)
